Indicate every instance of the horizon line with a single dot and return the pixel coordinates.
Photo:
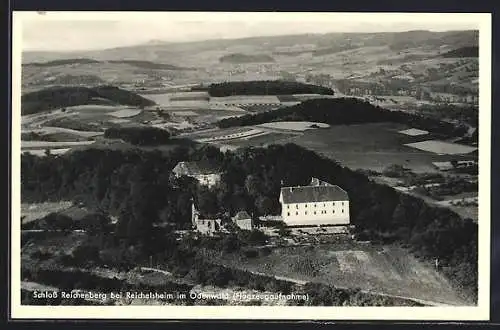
(156, 42)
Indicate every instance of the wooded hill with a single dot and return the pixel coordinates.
(268, 87)
(472, 51)
(344, 111)
(59, 97)
(137, 63)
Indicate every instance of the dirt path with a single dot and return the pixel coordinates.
(302, 282)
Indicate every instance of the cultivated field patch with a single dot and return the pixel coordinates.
(293, 125)
(373, 146)
(43, 152)
(442, 147)
(28, 145)
(414, 132)
(184, 113)
(126, 113)
(51, 130)
(119, 121)
(238, 135)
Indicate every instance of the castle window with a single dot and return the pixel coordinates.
(305, 205)
(314, 205)
(296, 206)
(288, 206)
(296, 213)
(324, 205)
(333, 211)
(333, 204)
(342, 203)
(305, 212)
(288, 213)
(342, 210)
(314, 212)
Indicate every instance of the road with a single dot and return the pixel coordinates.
(302, 282)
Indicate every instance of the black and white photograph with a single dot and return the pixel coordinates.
(240, 165)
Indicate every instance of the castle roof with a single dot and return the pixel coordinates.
(311, 194)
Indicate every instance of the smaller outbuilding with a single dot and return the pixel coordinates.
(243, 220)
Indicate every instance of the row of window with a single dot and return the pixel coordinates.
(322, 212)
(315, 205)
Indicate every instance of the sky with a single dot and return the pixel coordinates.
(66, 31)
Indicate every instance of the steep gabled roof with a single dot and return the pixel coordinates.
(195, 168)
(311, 194)
(242, 215)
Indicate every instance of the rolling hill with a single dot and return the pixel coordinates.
(59, 97)
(160, 51)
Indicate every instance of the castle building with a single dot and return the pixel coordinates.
(319, 203)
(206, 173)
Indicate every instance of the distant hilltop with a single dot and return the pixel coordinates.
(243, 58)
(136, 63)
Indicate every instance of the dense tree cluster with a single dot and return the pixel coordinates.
(59, 97)
(138, 187)
(93, 223)
(270, 87)
(343, 111)
(465, 114)
(68, 61)
(471, 51)
(139, 135)
(245, 58)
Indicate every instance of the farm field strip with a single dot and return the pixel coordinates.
(247, 134)
(119, 121)
(186, 113)
(293, 125)
(126, 113)
(40, 119)
(442, 147)
(414, 132)
(42, 152)
(52, 129)
(29, 145)
(249, 137)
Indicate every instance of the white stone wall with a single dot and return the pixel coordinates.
(208, 226)
(209, 180)
(245, 224)
(319, 213)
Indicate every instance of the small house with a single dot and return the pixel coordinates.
(243, 220)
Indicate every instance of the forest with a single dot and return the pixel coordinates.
(269, 87)
(471, 51)
(244, 58)
(68, 61)
(344, 111)
(60, 97)
(137, 186)
(139, 135)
